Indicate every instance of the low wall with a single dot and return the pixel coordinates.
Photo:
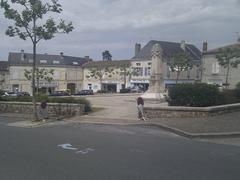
(185, 112)
(60, 110)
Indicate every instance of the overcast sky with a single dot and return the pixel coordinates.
(116, 25)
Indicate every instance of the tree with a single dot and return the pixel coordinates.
(106, 56)
(125, 72)
(41, 74)
(30, 23)
(228, 57)
(99, 73)
(180, 62)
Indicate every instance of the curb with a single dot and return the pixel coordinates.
(197, 135)
(174, 130)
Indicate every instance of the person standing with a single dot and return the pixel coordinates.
(140, 108)
(43, 110)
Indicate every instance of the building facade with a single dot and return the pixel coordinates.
(142, 63)
(4, 75)
(67, 72)
(109, 76)
(213, 73)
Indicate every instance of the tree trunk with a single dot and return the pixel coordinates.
(125, 80)
(101, 84)
(178, 73)
(227, 75)
(35, 115)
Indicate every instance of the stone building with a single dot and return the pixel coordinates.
(111, 82)
(4, 75)
(213, 73)
(141, 62)
(67, 71)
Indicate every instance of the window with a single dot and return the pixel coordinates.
(43, 61)
(215, 68)
(149, 64)
(75, 63)
(147, 71)
(56, 62)
(138, 64)
(138, 71)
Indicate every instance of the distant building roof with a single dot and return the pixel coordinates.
(3, 66)
(169, 48)
(46, 60)
(113, 63)
(216, 50)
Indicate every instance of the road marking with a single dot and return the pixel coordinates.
(67, 146)
(85, 151)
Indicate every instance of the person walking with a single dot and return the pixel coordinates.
(140, 108)
(43, 110)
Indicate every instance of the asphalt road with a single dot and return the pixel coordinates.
(97, 152)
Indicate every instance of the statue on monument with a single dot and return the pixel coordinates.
(156, 86)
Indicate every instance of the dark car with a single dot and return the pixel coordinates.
(23, 94)
(60, 93)
(84, 92)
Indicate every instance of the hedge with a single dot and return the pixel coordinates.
(194, 95)
(69, 100)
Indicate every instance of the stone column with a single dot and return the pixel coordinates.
(156, 86)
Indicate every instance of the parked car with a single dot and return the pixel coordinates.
(84, 92)
(60, 93)
(23, 94)
(10, 93)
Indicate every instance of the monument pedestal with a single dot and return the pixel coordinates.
(154, 98)
(155, 94)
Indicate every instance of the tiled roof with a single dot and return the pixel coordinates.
(113, 63)
(3, 66)
(46, 60)
(214, 51)
(169, 48)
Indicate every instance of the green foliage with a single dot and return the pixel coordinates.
(30, 22)
(71, 100)
(1, 92)
(238, 85)
(193, 95)
(229, 96)
(228, 57)
(107, 56)
(180, 62)
(99, 72)
(101, 91)
(40, 98)
(28, 13)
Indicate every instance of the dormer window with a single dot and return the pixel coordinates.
(138, 64)
(43, 61)
(75, 63)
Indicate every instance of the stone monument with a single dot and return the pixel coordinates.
(155, 91)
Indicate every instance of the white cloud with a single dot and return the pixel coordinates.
(117, 24)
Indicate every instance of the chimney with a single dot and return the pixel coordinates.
(61, 55)
(205, 46)
(137, 48)
(22, 55)
(183, 45)
(87, 57)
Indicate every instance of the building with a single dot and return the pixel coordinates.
(4, 75)
(108, 73)
(213, 73)
(141, 63)
(68, 73)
